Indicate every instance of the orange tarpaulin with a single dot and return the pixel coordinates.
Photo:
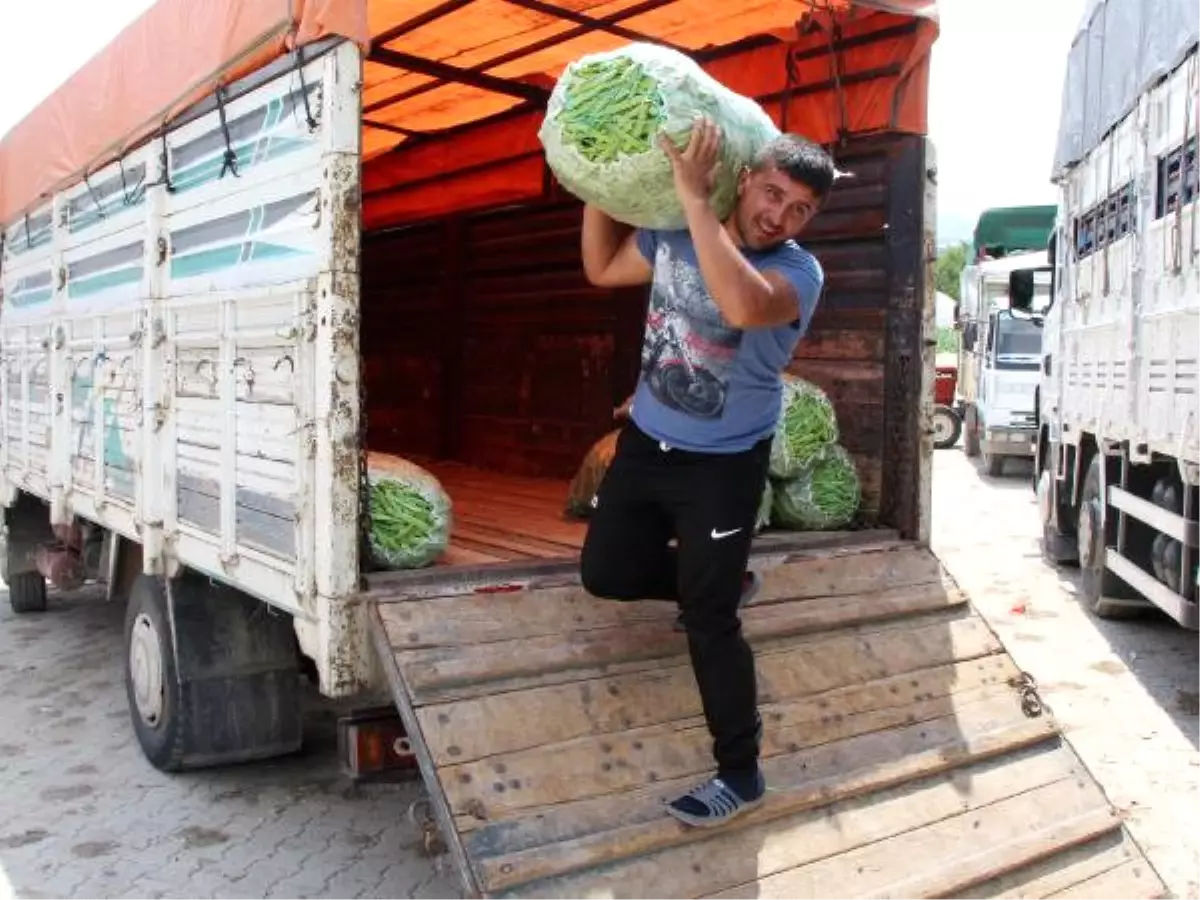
(177, 52)
(875, 80)
(439, 71)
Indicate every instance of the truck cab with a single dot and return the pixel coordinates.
(999, 361)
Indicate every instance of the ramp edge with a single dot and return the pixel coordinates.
(408, 715)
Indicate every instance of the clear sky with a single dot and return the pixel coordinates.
(994, 96)
(995, 89)
(45, 41)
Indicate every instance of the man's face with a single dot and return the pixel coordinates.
(772, 208)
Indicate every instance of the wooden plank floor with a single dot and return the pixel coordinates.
(498, 518)
(550, 726)
(502, 518)
(507, 518)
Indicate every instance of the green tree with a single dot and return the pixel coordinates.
(950, 263)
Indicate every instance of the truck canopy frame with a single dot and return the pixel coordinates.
(1121, 48)
(434, 69)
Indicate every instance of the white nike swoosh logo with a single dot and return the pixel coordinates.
(721, 535)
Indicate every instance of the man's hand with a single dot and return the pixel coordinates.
(695, 168)
(746, 297)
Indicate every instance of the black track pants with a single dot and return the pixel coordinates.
(708, 502)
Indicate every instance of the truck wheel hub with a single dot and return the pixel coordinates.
(146, 670)
(942, 427)
(1045, 491)
(1089, 523)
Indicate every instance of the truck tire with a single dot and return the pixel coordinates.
(26, 528)
(1104, 593)
(27, 592)
(1059, 544)
(947, 427)
(221, 687)
(971, 433)
(156, 703)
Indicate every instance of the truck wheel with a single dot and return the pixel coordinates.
(220, 686)
(155, 701)
(1105, 594)
(971, 433)
(27, 592)
(26, 528)
(1058, 542)
(947, 427)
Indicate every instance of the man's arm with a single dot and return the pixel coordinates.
(746, 297)
(611, 257)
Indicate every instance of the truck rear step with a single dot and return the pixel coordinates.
(906, 754)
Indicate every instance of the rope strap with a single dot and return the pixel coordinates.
(229, 164)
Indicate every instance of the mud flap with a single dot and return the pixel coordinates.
(237, 668)
(905, 753)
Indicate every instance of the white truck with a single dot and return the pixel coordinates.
(1118, 455)
(208, 340)
(1000, 355)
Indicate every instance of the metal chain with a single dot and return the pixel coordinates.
(1031, 702)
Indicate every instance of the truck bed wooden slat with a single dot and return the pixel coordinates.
(956, 850)
(601, 764)
(550, 726)
(835, 771)
(777, 845)
(1079, 864)
(576, 655)
(520, 615)
(918, 751)
(1130, 879)
(482, 727)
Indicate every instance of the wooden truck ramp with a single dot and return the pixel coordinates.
(906, 754)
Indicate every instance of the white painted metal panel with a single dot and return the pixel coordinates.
(1125, 334)
(179, 352)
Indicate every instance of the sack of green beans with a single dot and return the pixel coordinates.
(602, 125)
(410, 516)
(807, 424)
(825, 495)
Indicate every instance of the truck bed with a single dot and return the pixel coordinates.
(499, 517)
(514, 519)
(902, 754)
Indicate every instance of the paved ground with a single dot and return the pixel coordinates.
(1125, 692)
(82, 814)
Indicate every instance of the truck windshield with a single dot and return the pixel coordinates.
(1017, 339)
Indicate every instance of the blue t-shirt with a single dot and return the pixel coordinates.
(705, 386)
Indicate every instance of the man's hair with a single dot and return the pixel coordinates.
(801, 160)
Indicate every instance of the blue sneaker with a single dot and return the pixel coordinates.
(714, 803)
(751, 583)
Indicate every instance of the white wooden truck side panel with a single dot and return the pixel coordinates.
(160, 372)
(1125, 335)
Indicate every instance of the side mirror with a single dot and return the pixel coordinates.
(1051, 259)
(1020, 290)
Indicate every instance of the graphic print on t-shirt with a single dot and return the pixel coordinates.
(688, 350)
